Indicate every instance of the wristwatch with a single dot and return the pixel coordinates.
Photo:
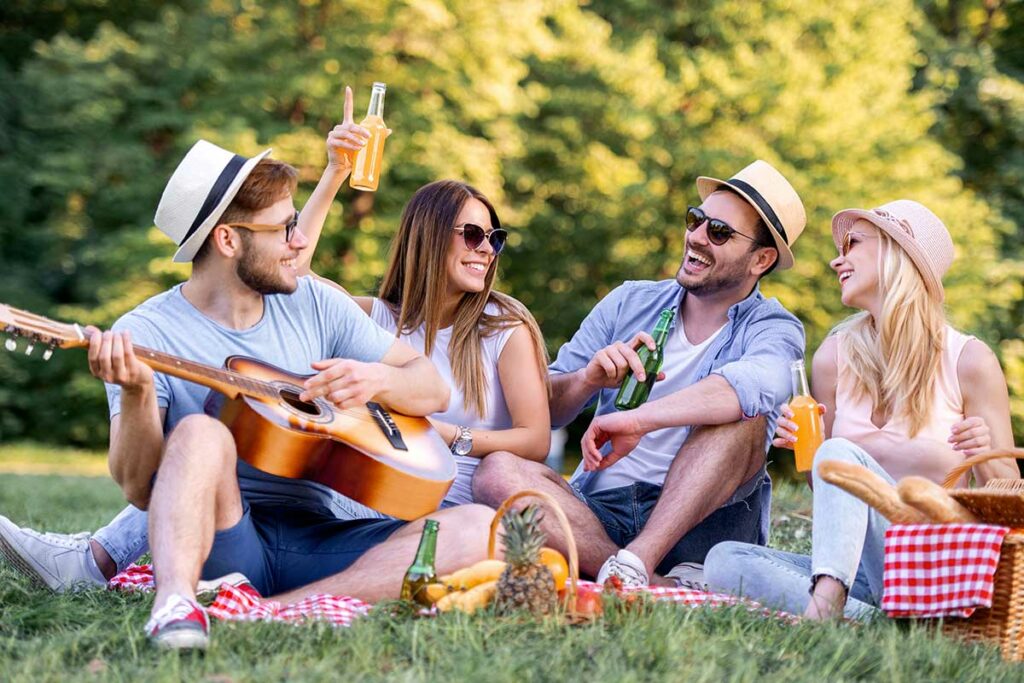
(463, 442)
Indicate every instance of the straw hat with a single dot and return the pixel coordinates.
(199, 191)
(915, 228)
(772, 197)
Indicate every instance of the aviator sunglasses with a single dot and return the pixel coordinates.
(473, 235)
(849, 239)
(718, 230)
(289, 227)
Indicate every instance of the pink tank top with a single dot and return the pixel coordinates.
(853, 416)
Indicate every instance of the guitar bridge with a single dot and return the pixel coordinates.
(387, 425)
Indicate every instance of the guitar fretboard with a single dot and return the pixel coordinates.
(215, 378)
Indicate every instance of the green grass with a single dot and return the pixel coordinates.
(97, 636)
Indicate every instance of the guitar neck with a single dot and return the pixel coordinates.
(231, 384)
(53, 334)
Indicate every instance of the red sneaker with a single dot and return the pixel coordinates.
(179, 625)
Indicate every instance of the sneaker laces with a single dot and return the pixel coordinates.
(689, 575)
(626, 567)
(69, 541)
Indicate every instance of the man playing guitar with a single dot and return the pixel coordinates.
(210, 513)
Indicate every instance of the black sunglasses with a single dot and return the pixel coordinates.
(289, 227)
(473, 235)
(719, 231)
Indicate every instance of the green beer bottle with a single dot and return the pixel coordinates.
(633, 392)
(421, 572)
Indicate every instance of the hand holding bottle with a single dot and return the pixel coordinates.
(610, 365)
(806, 417)
(346, 138)
(786, 428)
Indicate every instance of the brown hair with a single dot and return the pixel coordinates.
(269, 181)
(416, 280)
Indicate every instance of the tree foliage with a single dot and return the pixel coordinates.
(585, 124)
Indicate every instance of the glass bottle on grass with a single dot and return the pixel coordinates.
(810, 428)
(368, 163)
(633, 392)
(421, 572)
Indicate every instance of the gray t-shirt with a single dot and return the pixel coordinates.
(314, 323)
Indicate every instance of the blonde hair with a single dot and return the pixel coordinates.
(895, 360)
(416, 281)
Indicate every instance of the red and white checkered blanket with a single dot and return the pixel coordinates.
(243, 603)
(940, 570)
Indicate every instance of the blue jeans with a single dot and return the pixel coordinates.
(624, 511)
(847, 544)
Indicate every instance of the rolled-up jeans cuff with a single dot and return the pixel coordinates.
(832, 574)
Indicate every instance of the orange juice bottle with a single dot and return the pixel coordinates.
(810, 428)
(369, 161)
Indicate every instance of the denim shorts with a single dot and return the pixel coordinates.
(624, 511)
(279, 549)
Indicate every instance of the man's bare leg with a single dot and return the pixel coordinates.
(377, 575)
(196, 493)
(502, 474)
(711, 465)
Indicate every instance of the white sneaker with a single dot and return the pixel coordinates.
(688, 575)
(181, 624)
(627, 567)
(58, 561)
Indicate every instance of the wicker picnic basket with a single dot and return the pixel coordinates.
(571, 614)
(1001, 502)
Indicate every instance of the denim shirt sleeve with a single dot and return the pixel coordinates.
(761, 376)
(595, 332)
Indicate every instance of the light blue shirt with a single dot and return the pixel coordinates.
(752, 353)
(313, 323)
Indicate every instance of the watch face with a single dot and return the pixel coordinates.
(463, 442)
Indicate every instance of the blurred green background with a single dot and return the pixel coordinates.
(585, 122)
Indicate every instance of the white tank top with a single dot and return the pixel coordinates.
(458, 413)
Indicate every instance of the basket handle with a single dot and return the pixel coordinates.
(960, 470)
(570, 542)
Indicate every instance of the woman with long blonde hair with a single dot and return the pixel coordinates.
(902, 392)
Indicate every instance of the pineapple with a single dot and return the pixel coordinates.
(526, 583)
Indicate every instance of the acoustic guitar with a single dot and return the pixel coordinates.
(393, 463)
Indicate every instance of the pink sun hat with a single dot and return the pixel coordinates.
(915, 228)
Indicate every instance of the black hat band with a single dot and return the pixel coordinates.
(217, 192)
(760, 202)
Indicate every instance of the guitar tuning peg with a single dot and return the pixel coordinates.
(10, 344)
(29, 349)
(48, 353)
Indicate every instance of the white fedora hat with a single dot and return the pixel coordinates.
(772, 197)
(199, 191)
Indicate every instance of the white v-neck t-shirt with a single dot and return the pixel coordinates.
(650, 460)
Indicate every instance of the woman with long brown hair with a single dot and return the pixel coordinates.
(437, 295)
(903, 393)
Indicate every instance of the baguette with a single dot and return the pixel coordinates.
(861, 482)
(933, 500)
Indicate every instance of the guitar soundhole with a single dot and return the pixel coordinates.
(292, 399)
